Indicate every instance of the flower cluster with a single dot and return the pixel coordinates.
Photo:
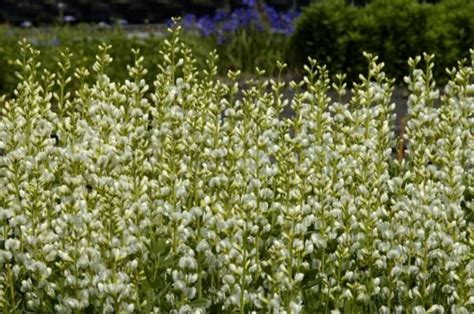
(191, 194)
(252, 15)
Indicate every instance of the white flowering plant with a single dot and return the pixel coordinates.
(193, 194)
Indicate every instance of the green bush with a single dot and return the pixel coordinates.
(245, 50)
(321, 32)
(451, 31)
(83, 41)
(250, 48)
(393, 29)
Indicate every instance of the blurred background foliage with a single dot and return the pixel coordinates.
(336, 33)
(134, 11)
(41, 12)
(245, 33)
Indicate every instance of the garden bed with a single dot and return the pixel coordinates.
(150, 200)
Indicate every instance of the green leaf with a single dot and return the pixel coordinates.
(199, 303)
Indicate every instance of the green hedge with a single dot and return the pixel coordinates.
(244, 51)
(82, 41)
(337, 33)
(451, 31)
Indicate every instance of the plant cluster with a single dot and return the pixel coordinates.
(41, 12)
(337, 33)
(189, 194)
(256, 34)
(254, 14)
(249, 36)
(83, 40)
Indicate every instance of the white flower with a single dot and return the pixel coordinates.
(418, 310)
(299, 277)
(12, 244)
(187, 262)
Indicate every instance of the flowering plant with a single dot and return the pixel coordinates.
(190, 194)
(249, 36)
(253, 14)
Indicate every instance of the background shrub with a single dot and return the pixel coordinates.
(334, 32)
(84, 41)
(321, 32)
(451, 32)
(253, 35)
(395, 30)
(244, 50)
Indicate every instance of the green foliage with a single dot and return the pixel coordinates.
(83, 42)
(249, 48)
(393, 29)
(244, 50)
(451, 31)
(321, 33)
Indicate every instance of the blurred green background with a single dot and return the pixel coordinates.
(335, 32)
(134, 11)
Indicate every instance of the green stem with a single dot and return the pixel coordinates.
(242, 280)
(12, 288)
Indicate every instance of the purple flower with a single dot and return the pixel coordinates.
(169, 23)
(288, 20)
(220, 16)
(272, 16)
(280, 22)
(250, 16)
(246, 17)
(26, 24)
(230, 25)
(249, 3)
(188, 21)
(69, 19)
(206, 26)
